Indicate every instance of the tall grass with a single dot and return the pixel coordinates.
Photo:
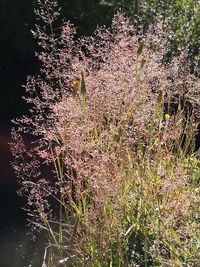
(112, 176)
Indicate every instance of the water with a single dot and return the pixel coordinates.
(17, 248)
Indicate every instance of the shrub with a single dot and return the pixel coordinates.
(111, 174)
(180, 18)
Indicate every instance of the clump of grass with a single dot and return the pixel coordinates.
(122, 186)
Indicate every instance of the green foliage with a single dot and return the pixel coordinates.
(130, 6)
(181, 19)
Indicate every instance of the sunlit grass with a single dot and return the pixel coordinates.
(122, 186)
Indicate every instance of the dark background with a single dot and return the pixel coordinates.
(17, 60)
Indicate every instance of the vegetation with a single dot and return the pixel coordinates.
(112, 176)
(181, 19)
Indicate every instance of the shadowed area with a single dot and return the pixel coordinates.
(16, 242)
(17, 247)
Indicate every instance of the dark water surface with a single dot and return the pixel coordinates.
(17, 249)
